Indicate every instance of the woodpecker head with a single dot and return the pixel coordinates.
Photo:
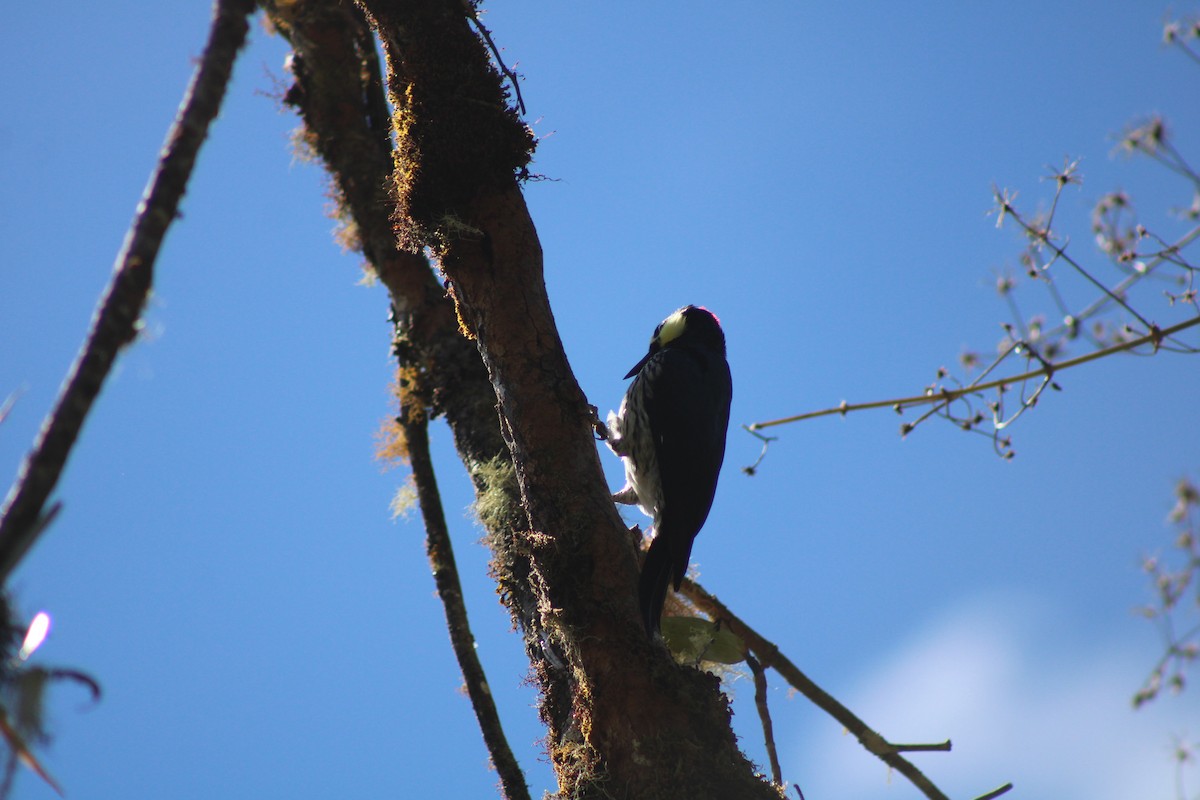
(690, 326)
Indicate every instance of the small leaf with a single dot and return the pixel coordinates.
(691, 639)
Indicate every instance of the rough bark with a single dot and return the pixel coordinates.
(338, 92)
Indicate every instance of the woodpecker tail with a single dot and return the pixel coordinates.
(652, 585)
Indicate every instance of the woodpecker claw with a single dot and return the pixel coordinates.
(599, 429)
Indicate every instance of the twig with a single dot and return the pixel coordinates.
(487, 37)
(766, 442)
(1189, 52)
(445, 575)
(1168, 255)
(764, 714)
(946, 396)
(7, 405)
(935, 747)
(770, 657)
(115, 322)
(994, 793)
(1041, 235)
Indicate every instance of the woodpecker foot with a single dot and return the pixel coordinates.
(599, 429)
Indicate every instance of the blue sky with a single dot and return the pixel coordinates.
(820, 176)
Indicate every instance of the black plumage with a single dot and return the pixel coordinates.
(670, 431)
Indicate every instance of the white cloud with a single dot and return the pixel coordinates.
(1020, 704)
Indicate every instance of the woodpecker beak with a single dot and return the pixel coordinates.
(637, 367)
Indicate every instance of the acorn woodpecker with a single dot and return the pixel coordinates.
(670, 432)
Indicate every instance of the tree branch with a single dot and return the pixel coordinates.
(770, 657)
(622, 718)
(116, 320)
(947, 396)
(338, 92)
(764, 714)
(414, 423)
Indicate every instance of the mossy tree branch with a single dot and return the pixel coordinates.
(338, 93)
(622, 717)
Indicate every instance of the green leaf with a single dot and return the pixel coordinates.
(691, 639)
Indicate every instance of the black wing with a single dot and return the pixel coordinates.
(688, 410)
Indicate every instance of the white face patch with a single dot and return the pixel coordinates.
(670, 329)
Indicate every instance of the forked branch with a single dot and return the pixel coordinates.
(945, 396)
(769, 656)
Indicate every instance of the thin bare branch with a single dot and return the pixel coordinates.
(512, 76)
(933, 747)
(764, 714)
(766, 443)
(1042, 236)
(769, 656)
(414, 423)
(947, 396)
(116, 320)
(994, 793)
